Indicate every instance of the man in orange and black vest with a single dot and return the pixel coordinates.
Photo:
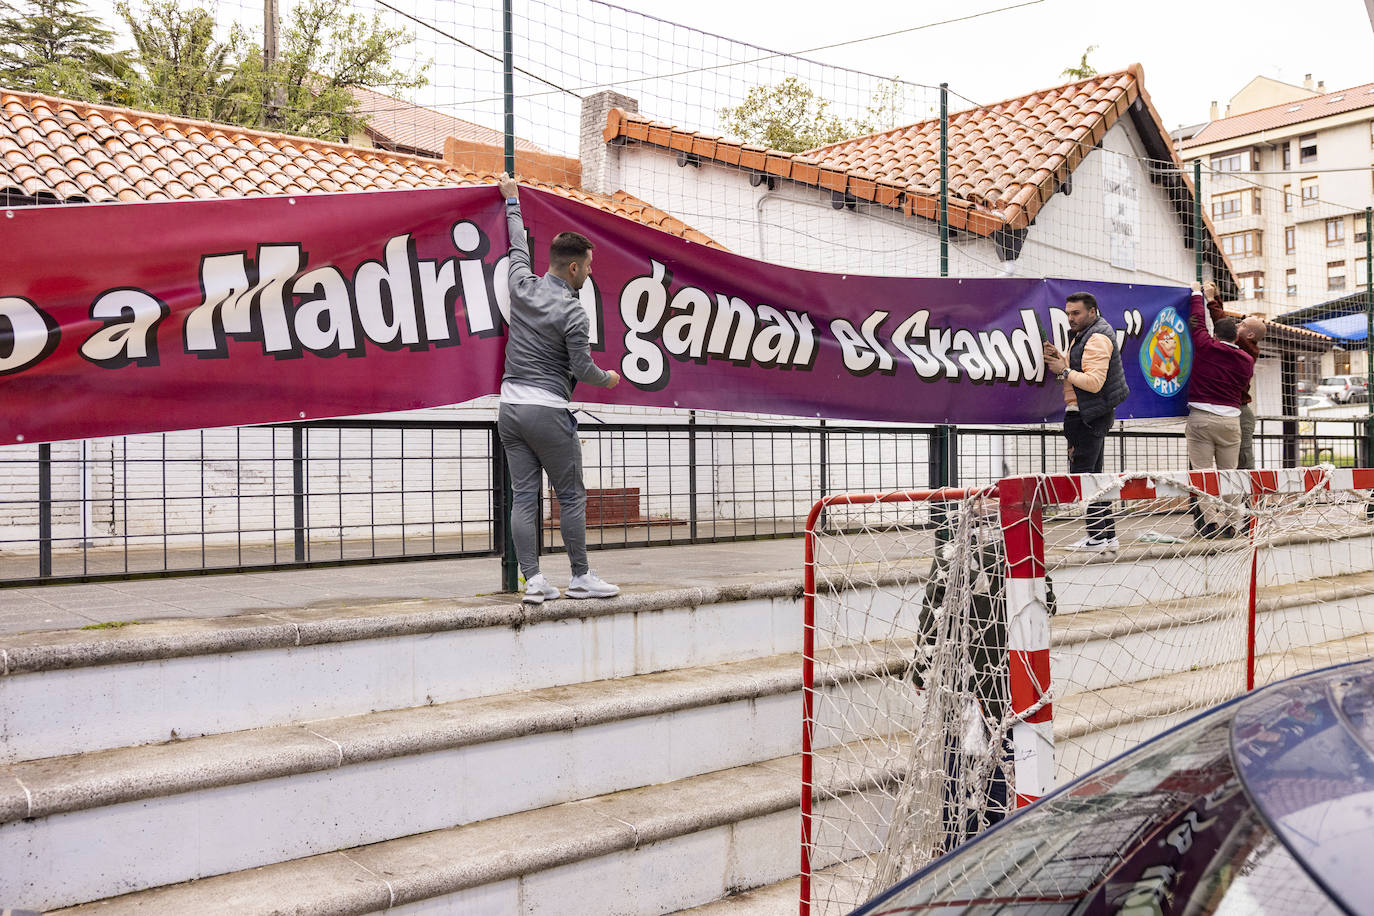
(1094, 385)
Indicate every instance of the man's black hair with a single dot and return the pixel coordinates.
(1225, 329)
(1087, 299)
(567, 247)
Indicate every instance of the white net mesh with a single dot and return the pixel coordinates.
(913, 713)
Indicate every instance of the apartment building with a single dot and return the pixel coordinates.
(1287, 186)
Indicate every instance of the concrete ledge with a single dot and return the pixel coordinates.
(1109, 623)
(63, 649)
(57, 785)
(1189, 692)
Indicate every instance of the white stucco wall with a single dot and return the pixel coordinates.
(799, 226)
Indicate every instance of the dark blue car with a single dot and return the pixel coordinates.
(1264, 805)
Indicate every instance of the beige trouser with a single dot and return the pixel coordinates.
(1213, 442)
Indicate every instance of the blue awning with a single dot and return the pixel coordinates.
(1343, 319)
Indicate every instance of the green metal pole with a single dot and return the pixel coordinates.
(508, 65)
(943, 440)
(1369, 348)
(944, 179)
(510, 564)
(1197, 217)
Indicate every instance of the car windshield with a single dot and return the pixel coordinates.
(1334, 381)
(1165, 829)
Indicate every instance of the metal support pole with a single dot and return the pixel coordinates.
(692, 474)
(944, 179)
(298, 492)
(824, 457)
(45, 510)
(510, 565)
(1369, 335)
(502, 498)
(943, 439)
(508, 65)
(1197, 217)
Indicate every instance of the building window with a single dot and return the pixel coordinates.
(1291, 281)
(1307, 148)
(1310, 192)
(1240, 160)
(1371, 133)
(1335, 232)
(1290, 240)
(1241, 244)
(1340, 361)
(1288, 197)
(1255, 202)
(1225, 206)
(1335, 275)
(1361, 271)
(1288, 152)
(1251, 285)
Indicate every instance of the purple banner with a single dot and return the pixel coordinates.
(130, 318)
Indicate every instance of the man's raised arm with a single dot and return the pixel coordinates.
(521, 268)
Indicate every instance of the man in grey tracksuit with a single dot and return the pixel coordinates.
(547, 352)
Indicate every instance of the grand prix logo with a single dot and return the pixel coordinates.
(1166, 354)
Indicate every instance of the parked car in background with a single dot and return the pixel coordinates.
(1309, 401)
(1306, 386)
(1343, 389)
(1260, 806)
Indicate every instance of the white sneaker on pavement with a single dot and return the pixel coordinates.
(591, 586)
(1095, 545)
(538, 590)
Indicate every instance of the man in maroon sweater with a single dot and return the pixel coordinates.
(1219, 381)
(1248, 338)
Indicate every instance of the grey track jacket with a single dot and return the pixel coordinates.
(547, 342)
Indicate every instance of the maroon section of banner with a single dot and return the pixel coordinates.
(129, 318)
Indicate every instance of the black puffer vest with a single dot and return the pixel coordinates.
(1114, 391)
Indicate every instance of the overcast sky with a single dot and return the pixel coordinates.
(1192, 53)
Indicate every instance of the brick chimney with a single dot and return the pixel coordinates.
(600, 160)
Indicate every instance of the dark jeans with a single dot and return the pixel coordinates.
(1086, 445)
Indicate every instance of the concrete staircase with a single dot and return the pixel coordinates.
(634, 755)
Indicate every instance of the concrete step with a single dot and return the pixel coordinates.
(1142, 574)
(65, 692)
(1100, 648)
(644, 851)
(117, 820)
(1092, 727)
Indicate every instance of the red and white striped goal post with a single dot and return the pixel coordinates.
(1021, 504)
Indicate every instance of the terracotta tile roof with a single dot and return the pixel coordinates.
(1005, 160)
(54, 150)
(398, 124)
(1285, 115)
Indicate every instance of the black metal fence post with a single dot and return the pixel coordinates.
(44, 510)
(502, 500)
(692, 475)
(298, 492)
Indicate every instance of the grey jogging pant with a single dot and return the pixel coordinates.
(544, 439)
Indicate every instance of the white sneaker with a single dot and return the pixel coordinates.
(1095, 545)
(538, 590)
(591, 586)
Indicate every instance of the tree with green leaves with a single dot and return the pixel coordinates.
(787, 116)
(182, 68)
(325, 53)
(792, 117)
(56, 47)
(1084, 70)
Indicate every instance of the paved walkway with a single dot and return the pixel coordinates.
(58, 607)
